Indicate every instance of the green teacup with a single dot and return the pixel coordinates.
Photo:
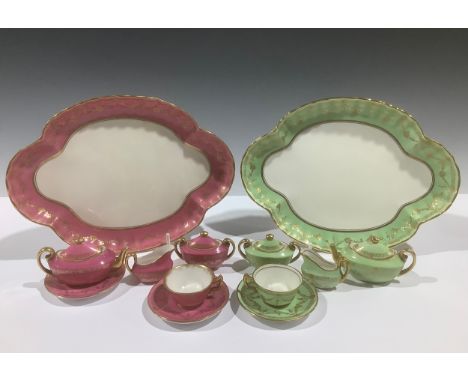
(277, 284)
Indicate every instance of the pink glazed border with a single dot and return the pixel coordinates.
(68, 226)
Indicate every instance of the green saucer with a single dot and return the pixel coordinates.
(304, 303)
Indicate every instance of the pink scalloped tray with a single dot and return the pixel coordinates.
(22, 170)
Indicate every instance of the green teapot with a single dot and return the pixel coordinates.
(268, 251)
(374, 262)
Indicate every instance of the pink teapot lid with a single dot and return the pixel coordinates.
(82, 249)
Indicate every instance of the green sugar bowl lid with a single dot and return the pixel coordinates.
(373, 249)
(270, 244)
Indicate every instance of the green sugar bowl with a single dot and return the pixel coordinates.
(321, 273)
(374, 262)
(268, 251)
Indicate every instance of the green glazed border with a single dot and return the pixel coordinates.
(396, 122)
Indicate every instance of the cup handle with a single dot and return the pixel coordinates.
(216, 283)
(341, 262)
(128, 255)
(245, 243)
(403, 256)
(228, 241)
(49, 252)
(343, 265)
(294, 246)
(248, 280)
(181, 241)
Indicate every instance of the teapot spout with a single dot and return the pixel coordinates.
(120, 259)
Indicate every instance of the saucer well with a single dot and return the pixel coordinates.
(304, 302)
(163, 305)
(62, 290)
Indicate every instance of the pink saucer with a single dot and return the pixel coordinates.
(165, 307)
(62, 290)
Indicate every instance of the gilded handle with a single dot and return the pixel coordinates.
(181, 241)
(404, 255)
(228, 241)
(341, 262)
(336, 255)
(248, 280)
(245, 243)
(134, 256)
(343, 266)
(216, 283)
(294, 246)
(49, 252)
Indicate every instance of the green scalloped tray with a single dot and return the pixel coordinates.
(396, 122)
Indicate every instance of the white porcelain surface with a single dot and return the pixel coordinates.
(155, 254)
(345, 175)
(318, 259)
(123, 173)
(277, 278)
(188, 279)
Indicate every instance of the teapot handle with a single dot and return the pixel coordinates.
(294, 246)
(403, 254)
(228, 241)
(50, 252)
(243, 242)
(178, 243)
(128, 255)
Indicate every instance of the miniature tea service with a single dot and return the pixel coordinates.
(322, 273)
(205, 250)
(84, 263)
(152, 267)
(192, 292)
(268, 251)
(372, 261)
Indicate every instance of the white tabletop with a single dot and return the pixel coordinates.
(425, 310)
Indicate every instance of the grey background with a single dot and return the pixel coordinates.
(236, 83)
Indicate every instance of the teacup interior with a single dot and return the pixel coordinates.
(278, 278)
(188, 279)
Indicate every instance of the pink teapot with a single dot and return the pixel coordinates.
(205, 250)
(85, 262)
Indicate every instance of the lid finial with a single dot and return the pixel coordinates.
(374, 239)
(270, 236)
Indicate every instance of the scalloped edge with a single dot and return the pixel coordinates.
(396, 122)
(67, 225)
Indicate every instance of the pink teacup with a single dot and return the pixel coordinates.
(152, 267)
(190, 284)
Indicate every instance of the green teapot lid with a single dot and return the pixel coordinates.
(270, 244)
(373, 248)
